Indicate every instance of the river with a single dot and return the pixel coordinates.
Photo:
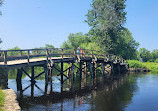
(130, 92)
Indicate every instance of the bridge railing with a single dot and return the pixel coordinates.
(10, 55)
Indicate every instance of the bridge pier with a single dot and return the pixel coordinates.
(18, 79)
(4, 78)
(116, 68)
(46, 74)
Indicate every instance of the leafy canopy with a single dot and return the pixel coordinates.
(106, 19)
(75, 40)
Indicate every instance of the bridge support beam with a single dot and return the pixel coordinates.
(116, 68)
(103, 69)
(18, 79)
(46, 74)
(32, 75)
(62, 80)
(73, 71)
(80, 69)
(4, 78)
(91, 70)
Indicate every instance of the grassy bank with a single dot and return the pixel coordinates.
(1, 99)
(149, 65)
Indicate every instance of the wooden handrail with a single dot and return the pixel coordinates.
(30, 53)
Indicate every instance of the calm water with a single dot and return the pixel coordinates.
(133, 92)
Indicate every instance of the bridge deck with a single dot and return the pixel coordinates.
(33, 62)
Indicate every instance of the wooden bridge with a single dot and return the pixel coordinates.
(48, 58)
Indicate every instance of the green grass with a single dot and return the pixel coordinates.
(1, 99)
(149, 65)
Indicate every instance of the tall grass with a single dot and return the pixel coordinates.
(149, 65)
(2, 96)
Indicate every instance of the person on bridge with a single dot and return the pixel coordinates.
(81, 52)
(78, 51)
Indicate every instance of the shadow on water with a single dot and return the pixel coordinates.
(99, 93)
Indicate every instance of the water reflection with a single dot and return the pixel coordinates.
(99, 93)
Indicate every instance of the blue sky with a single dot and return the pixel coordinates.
(34, 23)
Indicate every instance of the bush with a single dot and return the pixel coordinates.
(153, 66)
(156, 61)
(136, 64)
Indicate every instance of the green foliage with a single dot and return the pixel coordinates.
(107, 18)
(152, 66)
(13, 53)
(127, 46)
(149, 65)
(156, 61)
(136, 64)
(2, 96)
(154, 54)
(145, 54)
(75, 40)
(47, 46)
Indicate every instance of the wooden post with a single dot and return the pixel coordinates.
(20, 53)
(62, 53)
(46, 74)
(50, 75)
(85, 70)
(32, 74)
(5, 57)
(32, 89)
(28, 56)
(119, 68)
(90, 66)
(47, 54)
(102, 64)
(46, 89)
(80, 70)
(18, 79)
(112, 68)
(62, 72)
(92, 53)
(73, 71)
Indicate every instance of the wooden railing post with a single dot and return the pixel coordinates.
(92, 53)
(62, 53)
(47, 53)
(37, 52)
(20, 53)
(28, 56)
(5, 57)
(74, 53)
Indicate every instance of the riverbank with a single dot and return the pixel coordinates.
(135, 65)
(9, 101)
(138, 70)
(2, 96)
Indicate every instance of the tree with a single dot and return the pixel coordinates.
(107, 19)
(75, 40)
(14, 53)
(145, 54)
(154, 54)
(126, 45)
